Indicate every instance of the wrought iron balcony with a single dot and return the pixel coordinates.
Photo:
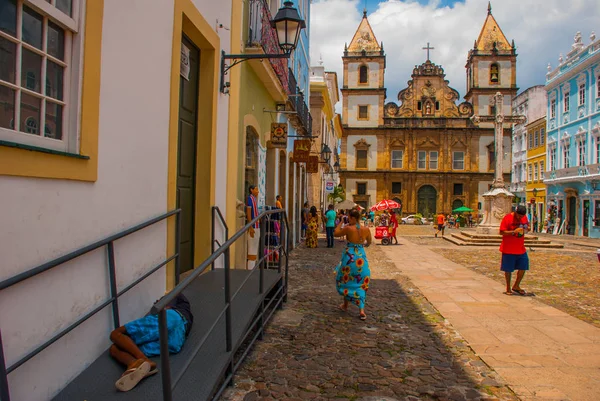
(261, 34)
(299, 104)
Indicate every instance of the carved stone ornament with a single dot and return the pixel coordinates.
(362, 144)
(500, 119)
(465, 109)
(498, 208)
(391, 109)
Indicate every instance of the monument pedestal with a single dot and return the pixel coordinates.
(497, 204)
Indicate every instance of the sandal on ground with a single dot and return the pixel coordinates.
(519, 291)
(363, 316)
(132, 377)
(508, 293)
(341, 307)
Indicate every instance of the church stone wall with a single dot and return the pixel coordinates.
(351, 151)
(483, 70)
(374, 72)
(371, 189)
(352, 117)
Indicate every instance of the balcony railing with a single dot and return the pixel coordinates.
(573, 172)
(261, 34)
(299, 103)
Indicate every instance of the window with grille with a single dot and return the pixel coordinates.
(581, 94)
(361, 158)
(361, 188)
(422, 159)
(458, 160)
(397, 158)
(396, 187)
(363, 112)
(581, 153)
(363, 74)
(433, 160)
(37, 75)
(458, 189)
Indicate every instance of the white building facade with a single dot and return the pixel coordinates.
(93, 140)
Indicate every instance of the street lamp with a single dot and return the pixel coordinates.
(535, 192)
(287, 23)
(326, 153)
(336, 167)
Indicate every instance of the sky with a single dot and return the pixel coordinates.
(541, 29)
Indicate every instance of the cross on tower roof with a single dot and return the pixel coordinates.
(428, 48)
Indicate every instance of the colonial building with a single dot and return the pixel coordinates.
(425, 152)
(573, 147)
(535, 190)
(327, 132)
(530, 103)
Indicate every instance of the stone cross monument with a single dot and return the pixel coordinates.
(497, 201)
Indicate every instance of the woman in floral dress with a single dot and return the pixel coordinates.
(352, 274)
(312, 224)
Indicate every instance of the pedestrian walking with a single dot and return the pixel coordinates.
(441, 221)
(393, 226)
(513, 228)
(330, 218)
(278, 202)
(253, 235)
(353, 274)
(312, 228)
(304, 217)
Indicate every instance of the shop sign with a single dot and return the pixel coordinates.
(312, 166)
(329, 186)
(301, 150)
(279, 135)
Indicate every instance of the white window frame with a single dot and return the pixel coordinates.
(598, 86)
(421, 158)
(433, 158)
(552, 108)
(581, 94)
(581, 152)
(535, 172)
(542, 170)
(536, 139)
(542, 136)
(553, 154)
(396, 159)
(598, 150)
(566, 102)
(529, 172)
(565, 156)
(73, 60)
(456, 160)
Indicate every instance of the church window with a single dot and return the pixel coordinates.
(363, 73)
(458, 189)
(433, 160)
(419, 106)
(458, 160)
(397, 156)
(437, 105)
(363, 112)
(396, 187)
(566, 103)
(581, 94)
(491, 156)
(552, 108)
(495, 73)
(361, 158)
(492, 110)
(361, 188)
(422, 160)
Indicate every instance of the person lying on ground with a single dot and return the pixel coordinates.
(137, 341)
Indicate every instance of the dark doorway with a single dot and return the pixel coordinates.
(586, 218)
(426, 201)
(456, 204)
(186, 156)
(572, 214)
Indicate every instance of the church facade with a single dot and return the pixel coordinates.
(424, 151)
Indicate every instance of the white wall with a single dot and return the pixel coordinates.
(355, 101)
(371, 154)
(43, 219)
(484, 74)
(371, 188)
(353, 75)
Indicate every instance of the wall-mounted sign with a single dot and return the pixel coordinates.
(279, 134)
(301, 150)
(184, 67)
(312, 166)
(329, 186)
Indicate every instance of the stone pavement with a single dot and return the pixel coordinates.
(539, 351)
(404, 351)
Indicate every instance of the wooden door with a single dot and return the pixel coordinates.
(186, 156)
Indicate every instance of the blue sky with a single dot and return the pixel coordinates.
(542, 29)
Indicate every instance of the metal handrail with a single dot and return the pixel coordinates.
(168, 383)
(109, 243)
(216, 212)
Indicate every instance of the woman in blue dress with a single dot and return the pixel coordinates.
(352, 274)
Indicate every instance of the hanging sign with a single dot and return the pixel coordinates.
(329, 186)
(301, 150)
(279, 134)
(184, 68)
(312, 166)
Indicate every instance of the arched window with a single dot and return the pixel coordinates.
(31, 126)
(363, 74)
(495, 73)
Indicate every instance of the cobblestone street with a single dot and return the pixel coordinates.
(404, 351)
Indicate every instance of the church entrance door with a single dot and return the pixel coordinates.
(426, 201)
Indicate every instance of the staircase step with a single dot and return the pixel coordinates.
(464, 239)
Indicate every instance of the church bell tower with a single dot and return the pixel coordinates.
(363, 89)
(491, 67)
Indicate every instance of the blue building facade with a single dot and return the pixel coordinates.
(572, 175)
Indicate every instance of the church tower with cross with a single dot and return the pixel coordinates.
(363, 89)
(491, 67)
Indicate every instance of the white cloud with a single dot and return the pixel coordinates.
(541, 29)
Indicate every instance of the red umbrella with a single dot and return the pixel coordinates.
(385, 205)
